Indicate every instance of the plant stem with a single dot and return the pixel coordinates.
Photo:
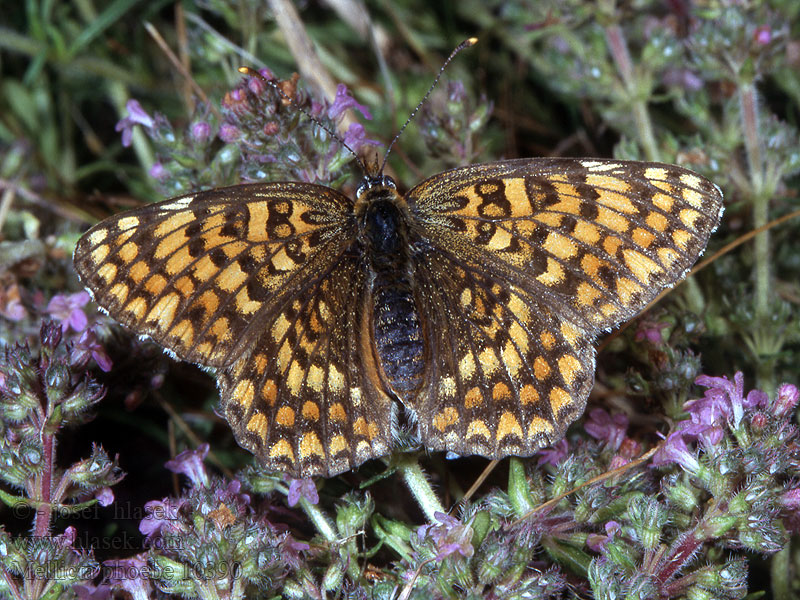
(417, 482)
(644, 126)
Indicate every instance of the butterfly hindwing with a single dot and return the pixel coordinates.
(306, 399)
(202, 274)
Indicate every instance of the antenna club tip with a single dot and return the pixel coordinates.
(244, 70)
(471, 41)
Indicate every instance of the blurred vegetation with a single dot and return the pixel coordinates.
(711, 85)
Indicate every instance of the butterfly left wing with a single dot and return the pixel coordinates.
(202, 274)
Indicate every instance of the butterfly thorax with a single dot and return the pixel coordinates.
(397, 331)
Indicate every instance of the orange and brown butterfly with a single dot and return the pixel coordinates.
(467, 306)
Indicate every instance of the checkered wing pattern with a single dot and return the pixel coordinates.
(520, 265)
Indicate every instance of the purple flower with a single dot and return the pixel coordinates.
(451, 536)
(356, 137)
(729, 396)
(232, 495)
(762, 35)
(555, 454)
(11, 303)
(130, 575)
(786, 400)
(229, 133)
(344, 101)
(598, 542)
(87, 591)
(302, 488)
(190, 463)
(674, 450)
(200, 131)
(136, 116)
(607, 428)
(158, 172)
(290, 551)
(104, 496)
(68, 310)
(650, 331)
(88, 346)
(162, 515)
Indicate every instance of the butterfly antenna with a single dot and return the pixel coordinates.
(285, 96)
(465, 44)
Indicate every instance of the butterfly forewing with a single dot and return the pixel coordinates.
(596, 240)
(205, 273)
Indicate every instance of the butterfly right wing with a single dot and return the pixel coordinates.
(307, 400)
(204, 273)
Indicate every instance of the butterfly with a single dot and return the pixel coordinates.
(466, 308)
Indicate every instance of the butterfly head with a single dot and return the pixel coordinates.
(372, 184)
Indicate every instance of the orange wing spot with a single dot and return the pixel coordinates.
(282, 262)
(185, 286)
(473, 397)
(155, 284)
(547, 339)
(612, 219)
(120, 292)
(137, 307)
(285, 416)
(667, 256)
(280, 449)
(616, 201)
(466, 297)
(232, 249)
(269, 391)
(607, 183)
(559, 398)
(108, 271)
(449, 416)
(360, 427)
(539, 426)
(258, 213)
(501, 239)
(518, 307)
(663, 202)
(335, 379)
(626, 288)
(586, 232)
(569, 366)
(128, 252)
(244, 304)
(608, 309)
(656, 221)
(565, 189)
(570, 333)
(517, 196)
(549, 218)
(338, 444)
(260, 362)
(511, 358)
(178, 261)
(128, 222)
(489, 361)
(653, 174)
(100, 253)
(478, 428)
(204, 269)
(221, 329)
(184, 331)
(294, 380)
(693, 197)
(508, 425)
(681, 238)
(689, 217)
(664, 186)
(559, 246)
(570, 205)
(642, 237)
(310, 410)
(500, 392)
(586, 294)
(590, 264)
(209, 301)
(541, 369)
(337, 413)
(231, 278)
(553, 275)
(243, 393)
(164, 310)
(611, 244)
(171, 243)
(284, 356)
(173, 223)
(640, 265)
(316, 378)
(258, 425)
(280, 327)
(528, 394)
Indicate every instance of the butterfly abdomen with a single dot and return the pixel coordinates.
(396, 326)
